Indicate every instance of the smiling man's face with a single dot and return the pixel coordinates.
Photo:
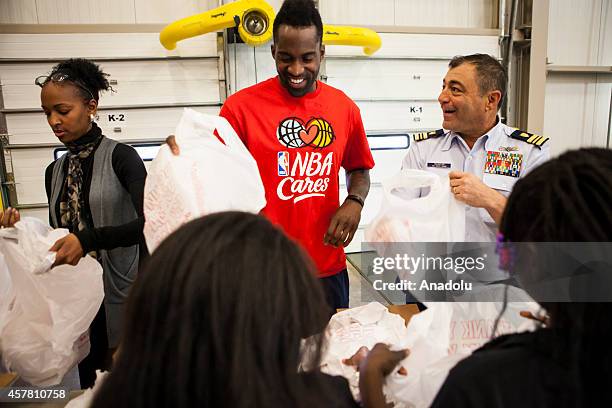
(298, 54)
(463, 105)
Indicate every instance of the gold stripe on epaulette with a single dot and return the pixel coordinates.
(529, 138)
(420, 136)
(533, 139)
(541, 141)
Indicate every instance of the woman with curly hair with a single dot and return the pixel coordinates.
(96, 192)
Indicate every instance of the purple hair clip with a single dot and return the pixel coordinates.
(506, 252)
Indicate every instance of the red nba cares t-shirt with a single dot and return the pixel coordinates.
(299, 144)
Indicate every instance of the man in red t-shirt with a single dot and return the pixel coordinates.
(301, 131)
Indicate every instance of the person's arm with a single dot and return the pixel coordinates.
(373, 369)
(345, 221)
(357, 162)
(48, 181)
(130, 171)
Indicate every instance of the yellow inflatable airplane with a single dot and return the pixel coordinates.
(254, 19)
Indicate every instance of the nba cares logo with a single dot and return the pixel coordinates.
(295, 133)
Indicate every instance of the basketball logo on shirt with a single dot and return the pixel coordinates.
(294, 133)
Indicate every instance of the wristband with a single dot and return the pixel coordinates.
(355, 197)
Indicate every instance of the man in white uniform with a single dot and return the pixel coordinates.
(483, 157)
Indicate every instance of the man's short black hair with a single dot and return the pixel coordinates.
(491, 75)
(298, 13)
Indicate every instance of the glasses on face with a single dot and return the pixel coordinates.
(59, 77)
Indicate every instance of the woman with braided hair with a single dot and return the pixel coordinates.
(235, 305)
(566, 362)
(96, 192)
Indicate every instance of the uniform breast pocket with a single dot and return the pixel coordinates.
(501, 184)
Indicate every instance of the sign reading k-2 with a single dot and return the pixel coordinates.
(305, 173)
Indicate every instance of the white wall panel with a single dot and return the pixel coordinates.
(86, 11)
(357, 12)
(108, 45)
(605, 37)
(603, 112)
(420, 13)
(576, 113)
(387, 79)
(138, 82)
(410, 115)
(124, 124)
(18, 12)
(483, 13)
(29, 170)
(165, 11)
(396, 45)
(438, 13)
(388, 163)
(573, 32)
(243, 60)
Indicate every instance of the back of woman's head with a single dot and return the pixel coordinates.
(569, 199)
(216, 318)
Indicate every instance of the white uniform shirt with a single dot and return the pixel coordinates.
(450, 152)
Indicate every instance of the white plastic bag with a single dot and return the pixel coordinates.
(46, 329)
(443, 335)
(405, 217)
(208, 176)
(356, 327)
(438, 338)
(7, 294)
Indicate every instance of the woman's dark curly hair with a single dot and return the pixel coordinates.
(85, 74)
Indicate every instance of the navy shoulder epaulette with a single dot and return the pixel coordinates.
(530, 138)
(419, 137)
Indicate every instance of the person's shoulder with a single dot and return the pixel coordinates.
(508, 366)
(331, 385)
(124, 152)
(531, 139)
(421, 137)
(50, 167)
(336, 93)
(517, 352)
(123, 147)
